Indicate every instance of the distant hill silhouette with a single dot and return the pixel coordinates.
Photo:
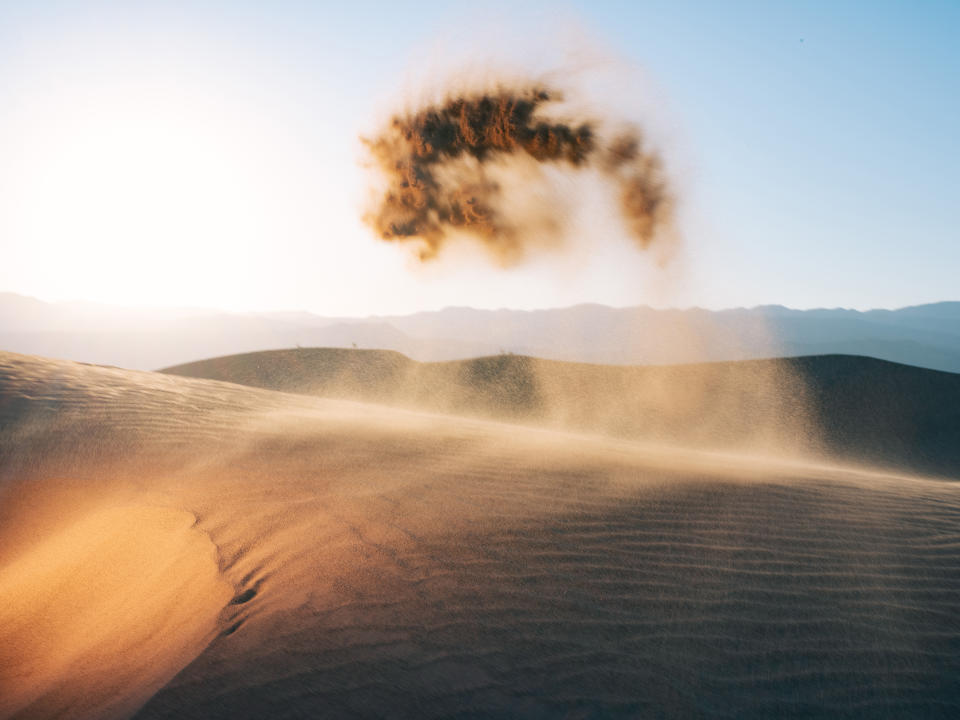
(864, 409)
(925, 335)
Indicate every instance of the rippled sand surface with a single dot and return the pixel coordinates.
(246, 553)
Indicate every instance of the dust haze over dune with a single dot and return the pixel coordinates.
(451, 166)
(827, 408)
(754, 406)
(453, 162)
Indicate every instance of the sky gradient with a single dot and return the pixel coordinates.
(208, 154)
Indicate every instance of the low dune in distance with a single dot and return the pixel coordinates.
(253, 553)
(857, 409)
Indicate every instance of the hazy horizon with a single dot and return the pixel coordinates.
(492, 308)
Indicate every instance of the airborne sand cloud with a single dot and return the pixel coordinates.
(459, 164)
(446, 166)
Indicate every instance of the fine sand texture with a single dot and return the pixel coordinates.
(183, 548)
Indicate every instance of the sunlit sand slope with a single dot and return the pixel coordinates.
(95, 619)
(382, 562)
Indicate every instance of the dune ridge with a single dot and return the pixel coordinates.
(832, 406)
(388, 561)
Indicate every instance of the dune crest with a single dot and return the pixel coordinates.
(96, 618)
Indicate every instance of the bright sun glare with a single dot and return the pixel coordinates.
(148, 171)
(126, 188)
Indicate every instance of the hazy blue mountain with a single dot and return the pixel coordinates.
(925, 335)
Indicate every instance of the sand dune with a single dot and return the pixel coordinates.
(839, 406)
(378, 561)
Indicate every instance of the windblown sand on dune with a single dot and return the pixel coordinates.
(849, 408)
(384, 561)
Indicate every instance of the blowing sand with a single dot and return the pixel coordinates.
(179, 548)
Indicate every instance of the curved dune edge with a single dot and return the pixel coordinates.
(96, 618)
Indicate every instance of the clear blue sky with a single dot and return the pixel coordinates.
(206, 153)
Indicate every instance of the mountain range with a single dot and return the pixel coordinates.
(924, 335)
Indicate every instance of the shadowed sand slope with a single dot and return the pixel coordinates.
(384, 562)
(855, 408)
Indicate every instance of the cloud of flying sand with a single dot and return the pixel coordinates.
(449, 168)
